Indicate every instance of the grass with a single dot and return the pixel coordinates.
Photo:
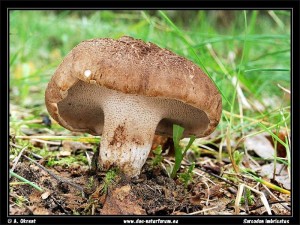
(258, 53)
(246, 54)
(25, 181)
(179, 151)
(252, 48)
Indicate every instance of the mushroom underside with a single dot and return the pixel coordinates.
(127, 122)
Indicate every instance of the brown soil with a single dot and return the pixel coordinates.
(71, 188)
(153, 193)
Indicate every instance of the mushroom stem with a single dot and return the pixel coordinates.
(129, 127)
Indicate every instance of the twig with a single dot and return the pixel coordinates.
(35, 155)
(283, 205)
(55, 176)
(208, 191)
(221, 178)
(201, 175)
(46, 142)
(88, 159)
(164, 167)
(16, 146)
(239, 196)
(151, 188)
(17, 160)
(284, 89)
(202, 211)
(270, 203)
(65, 211)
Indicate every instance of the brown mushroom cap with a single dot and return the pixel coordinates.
(134, 67)
(127, 90)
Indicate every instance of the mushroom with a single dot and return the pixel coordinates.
(127, 90)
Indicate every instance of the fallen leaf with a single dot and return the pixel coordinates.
(260, 145)
(122, 202)
(282, 135)
(39, 210)
(281, 174)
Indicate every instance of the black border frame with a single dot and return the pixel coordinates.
(6, 5)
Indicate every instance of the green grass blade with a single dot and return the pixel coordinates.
(179, 154)
(191, 141)
(25, 180)
(177, 134)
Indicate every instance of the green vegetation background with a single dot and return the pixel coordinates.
(246, 53)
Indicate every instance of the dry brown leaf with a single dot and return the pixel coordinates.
(39, 210)
(122, 202)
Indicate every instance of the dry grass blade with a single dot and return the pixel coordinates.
(202, 211)
(94, 139)
(17, 159)
(239, 197)
(228, 143)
